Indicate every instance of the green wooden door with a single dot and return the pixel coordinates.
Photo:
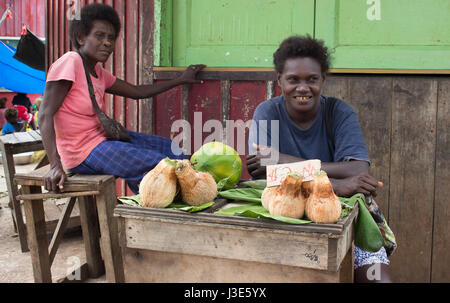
(235, 32)
(361, 34)
(386, 34)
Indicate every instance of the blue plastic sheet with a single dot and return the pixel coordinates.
(17, 76)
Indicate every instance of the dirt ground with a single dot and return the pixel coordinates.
(15, 266)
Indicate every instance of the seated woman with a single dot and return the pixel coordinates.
(301, 132)
(72, 134)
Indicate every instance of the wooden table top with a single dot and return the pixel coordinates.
(22, 137)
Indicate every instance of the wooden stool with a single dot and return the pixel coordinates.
(10, 145)
(99, 227)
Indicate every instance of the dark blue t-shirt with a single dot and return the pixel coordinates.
(311, 143)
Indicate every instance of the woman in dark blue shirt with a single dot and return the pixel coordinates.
(302, 124)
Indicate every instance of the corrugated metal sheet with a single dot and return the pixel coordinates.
(24, 12)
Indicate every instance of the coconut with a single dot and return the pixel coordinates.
(286, 199)
(322, 205)
(197, 187)
(158, 188)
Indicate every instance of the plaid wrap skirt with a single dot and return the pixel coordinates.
(129, 160)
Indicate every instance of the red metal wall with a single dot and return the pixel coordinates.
(28, 12)
(10, 95)
(223, 96)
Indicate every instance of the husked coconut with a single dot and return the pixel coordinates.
(197, 187)
(322, 204)
(286, 199)
(158, 188)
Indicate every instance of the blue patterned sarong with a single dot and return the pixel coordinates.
(129, 160)
(363, 257)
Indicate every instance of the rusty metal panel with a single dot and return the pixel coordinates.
(28, 12)
(204, 106)
(244, 97)
(131, 33)
(167, 110)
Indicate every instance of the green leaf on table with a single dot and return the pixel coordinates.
(348, 204)
(131, 200)
(368, 236)
(258, 184)
(242, 194)
(250, 210)
(189, 208)
(136, 201)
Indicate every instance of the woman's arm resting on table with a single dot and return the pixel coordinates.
(55, 93)
(128, 90)
(347, 178)
(361, 183)
(338, 170)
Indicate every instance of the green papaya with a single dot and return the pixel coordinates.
(367, 236)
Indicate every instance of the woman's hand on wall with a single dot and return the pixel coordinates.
(190, 73)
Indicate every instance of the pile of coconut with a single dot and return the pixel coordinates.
(160, 186)
(294, 198)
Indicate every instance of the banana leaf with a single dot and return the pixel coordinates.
(189, 208)
(348, 204)
(258, 184)
(136, 201)
(250, 210)
(242, 194)
(131, 200)
(368, 236)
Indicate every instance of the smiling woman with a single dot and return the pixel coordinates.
(71, 132)
(303, 117)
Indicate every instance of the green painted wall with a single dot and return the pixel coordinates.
(362, 34)
(400, 34)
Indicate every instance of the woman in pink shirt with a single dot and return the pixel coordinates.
(71, 133)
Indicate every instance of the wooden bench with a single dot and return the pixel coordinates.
(96, 195)
(10, 145)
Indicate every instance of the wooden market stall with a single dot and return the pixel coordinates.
(160, 245)
(390, 65)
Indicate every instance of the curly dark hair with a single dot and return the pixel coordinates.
(10, 113)
(301, 46)
(90, 13)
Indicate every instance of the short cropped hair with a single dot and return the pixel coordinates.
(90, 13)
(10, 113)
(301, 46)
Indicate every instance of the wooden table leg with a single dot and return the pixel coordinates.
(112, 254)
(10, 170)
(346, 274)
(91, 236)
(37, 236)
